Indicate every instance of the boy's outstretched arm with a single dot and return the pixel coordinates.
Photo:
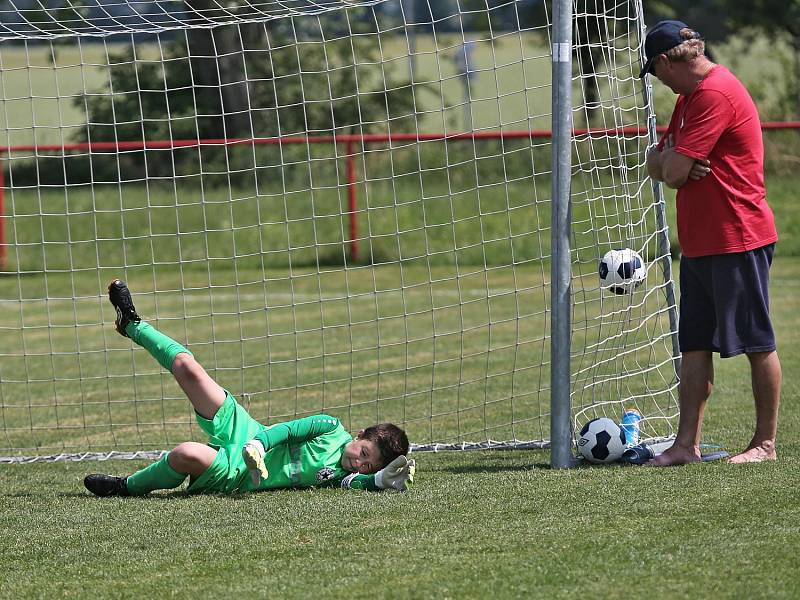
(296, 431)
(397, 475)
(290, 432)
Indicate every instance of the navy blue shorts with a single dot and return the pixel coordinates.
(725, 303)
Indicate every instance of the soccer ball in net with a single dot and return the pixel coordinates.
(601, 441)
(621, 270)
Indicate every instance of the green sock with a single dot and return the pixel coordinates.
(158, 476)
(163, 348)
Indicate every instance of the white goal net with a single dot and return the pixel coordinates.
(339, 207)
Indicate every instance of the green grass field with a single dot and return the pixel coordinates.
(475, 525)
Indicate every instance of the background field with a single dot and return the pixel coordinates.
(56, 78)
(360, 346)
(506, 64)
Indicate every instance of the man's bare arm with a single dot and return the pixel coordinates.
(674, 168)
(654, 167)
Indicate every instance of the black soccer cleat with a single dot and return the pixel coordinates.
(120, 297)
(106, 485)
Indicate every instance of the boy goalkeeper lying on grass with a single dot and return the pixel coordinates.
(242, 454)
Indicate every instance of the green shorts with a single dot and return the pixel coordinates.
(228, 432)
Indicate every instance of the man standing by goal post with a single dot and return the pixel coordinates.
(713, 154)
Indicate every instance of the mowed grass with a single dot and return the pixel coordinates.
(475, 525)
(499, 525)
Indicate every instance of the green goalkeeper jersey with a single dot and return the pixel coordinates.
(307, 452)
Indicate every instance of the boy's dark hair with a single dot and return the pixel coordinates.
(390, 439)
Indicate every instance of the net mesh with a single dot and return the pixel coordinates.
(338, 207)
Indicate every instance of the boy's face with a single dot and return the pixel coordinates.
(361, 456)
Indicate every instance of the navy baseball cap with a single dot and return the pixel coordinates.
(662, 37)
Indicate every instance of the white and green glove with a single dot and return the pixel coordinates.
(253, 455)
(397, 475)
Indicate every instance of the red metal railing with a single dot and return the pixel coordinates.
(350, 142)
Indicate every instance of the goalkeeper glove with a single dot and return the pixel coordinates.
(397, 475)
(253, 455)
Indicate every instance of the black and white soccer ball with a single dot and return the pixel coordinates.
(601, 441)
(621, 270)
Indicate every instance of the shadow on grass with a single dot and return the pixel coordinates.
(462, 469)
(161, 495)
(89, 496)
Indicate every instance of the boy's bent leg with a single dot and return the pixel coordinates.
(192, 458)
(189, 458)
(766, 377)
(203, 392)
(160, 346)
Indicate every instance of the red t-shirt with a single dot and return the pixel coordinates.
(726, 211)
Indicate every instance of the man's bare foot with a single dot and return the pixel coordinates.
(675, 455)
(755, 454)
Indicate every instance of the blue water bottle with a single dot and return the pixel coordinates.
(630, 426)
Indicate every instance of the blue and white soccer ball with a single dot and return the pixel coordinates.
(601, 441)
(621, 270)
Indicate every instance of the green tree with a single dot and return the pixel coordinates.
(718, 20)
(284, 77)
(706, 17)
(54, 18)
(778, 19)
